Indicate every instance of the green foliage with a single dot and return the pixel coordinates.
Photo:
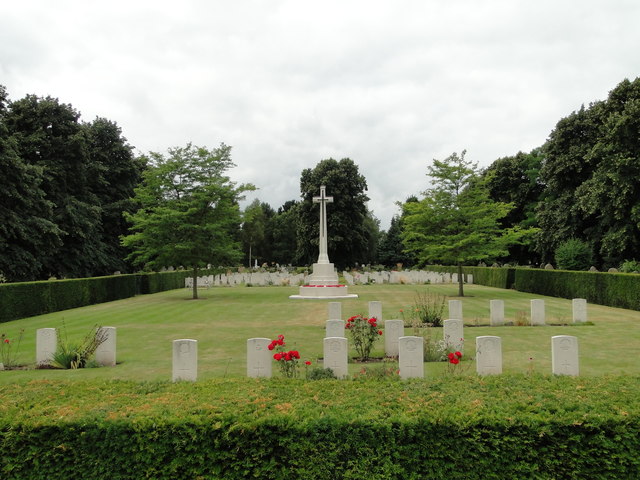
(364, 332)
(494, 427)
(9, 348)
(74, 355)
(428, 308)
(630, 266)
(318, 373)
(574, 254)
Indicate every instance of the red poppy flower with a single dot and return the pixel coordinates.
(307, 362)
(6, 340)
(458, 354)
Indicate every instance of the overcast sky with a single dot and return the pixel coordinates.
(287, 83)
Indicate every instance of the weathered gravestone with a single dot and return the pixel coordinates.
(537, 312)
(335, 312)
(579, 310)
(564, 355)
(455, 309)
(334, 328)
(258, 358)
(411, 357)
(453, 334)
(106, 351)
(393, 330)
(185, 360)
(496, 309)
(335, 356)
(375, 311)
(46, 345)
(488, 355)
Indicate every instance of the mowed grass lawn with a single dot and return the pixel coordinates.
(224, 318)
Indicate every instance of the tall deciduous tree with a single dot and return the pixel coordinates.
(282, 229)
(349, 231)
(189, 213)
(456, 222)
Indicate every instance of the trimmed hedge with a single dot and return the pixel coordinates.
(451, 427)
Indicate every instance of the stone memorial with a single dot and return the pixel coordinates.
(455, 309)
(259, 358)
(335, 312)
(488, 355)
(334, 328)
(411, 357)
(537, 312)
(579, 310)
(336, 356)
(564, 355)
(185, 360)
(496, 309)
(453, 334)
(393, 330)
(46, 345)
(375, 311)
(106, 351)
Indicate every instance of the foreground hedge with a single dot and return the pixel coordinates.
(451, 427)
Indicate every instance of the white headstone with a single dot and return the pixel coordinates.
(537, 312)
(375, 310)
(46, 345)
(488, 355)
(335, 356)
(579, 310)
(496, 307)
(258, 357)
(453, 334)
(185, 360)
(106, 351)
(393, 330)
(564, 355)
(411, 357)
(334, 328)
(455, 309)
(335, 312)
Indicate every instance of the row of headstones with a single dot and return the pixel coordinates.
(496, 311)
(253, 278)
(405, 277)
(47, 344)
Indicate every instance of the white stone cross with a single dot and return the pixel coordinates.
(323, 257)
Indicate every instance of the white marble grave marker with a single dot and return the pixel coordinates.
(334, 328)
(393, 330)
(335, 355)
(411, 357)
(335, 312)
(455, 309)
(375, 311)
(453, 334)
(46, 345)
(258, 358)
(185, 360)
(496, 307)
(564, 355)
(537, 312)
(488, 355)
(106, 351)
(579, 310)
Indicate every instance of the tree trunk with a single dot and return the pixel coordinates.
(195, 282)
(460, 281)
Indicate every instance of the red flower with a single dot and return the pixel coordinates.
(458, 354)
(6, 340)
(451, 356)
(287, 356)
(295, 354)
(280, 337)
(379, 332)
(348, 325)
(307, 362)
(280, 342)
(455, 361)
(271, 346)
(277, 357)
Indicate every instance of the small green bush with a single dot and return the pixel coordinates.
(630, 266)
(319, 373)
(574, 254)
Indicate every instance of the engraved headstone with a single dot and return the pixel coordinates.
(334, 328)
(335, 312)
(453, 334)
(185, 360)
(393, 330)
(411, 357)
(46, 345)
(579, 310)
(537, 312)
(335, 355)
(488, 355)
(106, 351)
(258, 358)
(564, 355)
(455, 309)
(375, 311)
(496, 308)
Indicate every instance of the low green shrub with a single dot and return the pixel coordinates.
(574, 254)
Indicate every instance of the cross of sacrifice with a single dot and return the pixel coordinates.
(323, 257)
